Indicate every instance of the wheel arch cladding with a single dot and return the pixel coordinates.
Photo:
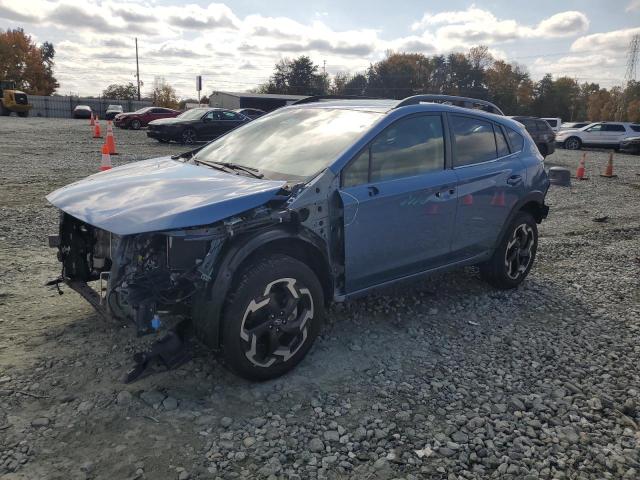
(302, 245)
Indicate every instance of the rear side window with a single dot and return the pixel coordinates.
(614, 128)
(635, 128)
(542, 125)
(474, 140)
(501, 142)
(409, 147)
(516, 140)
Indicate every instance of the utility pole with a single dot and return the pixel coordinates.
(630, 74)
(324, 67)
(137, 69)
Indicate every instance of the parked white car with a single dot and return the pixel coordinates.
(554, 123)
(599, 134)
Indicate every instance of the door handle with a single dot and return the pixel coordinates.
(439, 194)
(373, 191)
(514, 180)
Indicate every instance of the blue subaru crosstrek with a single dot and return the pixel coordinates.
(250, 236)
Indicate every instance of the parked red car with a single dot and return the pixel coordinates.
(142, 117)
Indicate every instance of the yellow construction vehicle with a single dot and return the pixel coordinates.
(12, 100)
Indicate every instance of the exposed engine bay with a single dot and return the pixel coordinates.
(143, 274)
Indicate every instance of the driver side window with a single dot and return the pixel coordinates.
(595, 128)
(409, 147)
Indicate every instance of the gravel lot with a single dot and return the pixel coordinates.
(444, 379)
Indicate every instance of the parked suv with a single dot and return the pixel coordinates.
(599, 134)
(541, 133)
(252, 234)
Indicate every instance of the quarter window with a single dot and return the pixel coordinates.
(409, 147)
(517, 142)
(474, 140)
(503, 147)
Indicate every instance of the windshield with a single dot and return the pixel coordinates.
(291, 142)
(193, 114)
(114, 107)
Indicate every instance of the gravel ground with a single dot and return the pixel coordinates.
(444, 378)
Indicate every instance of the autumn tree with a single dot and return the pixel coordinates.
(28, 65)
(164, 95)
(126, 91)
(296, 77)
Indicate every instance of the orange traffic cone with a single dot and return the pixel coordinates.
(91, 120)
(110, 141)
(608, 173)
(467, 199)
(581, 171)
(96, 129)
(105, 163)
(498, 199)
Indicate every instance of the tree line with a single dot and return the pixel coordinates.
(473, 74)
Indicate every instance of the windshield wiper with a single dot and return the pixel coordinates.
(254, 172)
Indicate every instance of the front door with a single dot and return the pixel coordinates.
(399, 204)
(593, 135)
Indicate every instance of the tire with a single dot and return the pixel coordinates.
(573, 143)
(544, 151)
(513, 258)
(23, 114)
(257, 342)
(188, 137)
(135, 124)
(162, 140)
(5, 112)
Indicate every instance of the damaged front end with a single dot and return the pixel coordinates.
(140, 275)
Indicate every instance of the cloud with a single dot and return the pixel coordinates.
(563, 24)
(10, 14)
(193, 17)
(634, 5)
(116, 43)
(71, 16)
(176, 51)
(475, 25)
(321, 45)
(615, 41)
(133, 16)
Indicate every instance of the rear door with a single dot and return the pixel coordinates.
(613, 132)
(399, 203)
(230, 120)
(490, 178)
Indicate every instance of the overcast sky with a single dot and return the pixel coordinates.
(234, 45)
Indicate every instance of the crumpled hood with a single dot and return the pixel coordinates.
(161, 194)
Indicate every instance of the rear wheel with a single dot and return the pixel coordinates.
(135, 124)
(572, 143)
(272, 318)
(188, 136)
(5, 112)
(23, 114)
(513, 258)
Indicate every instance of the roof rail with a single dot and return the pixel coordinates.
(321, 98)
(464, 102)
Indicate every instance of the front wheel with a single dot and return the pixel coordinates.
(513, 258)
(272, 318)
(573, 143)
(23, 114)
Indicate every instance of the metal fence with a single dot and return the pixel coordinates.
(62, 106)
